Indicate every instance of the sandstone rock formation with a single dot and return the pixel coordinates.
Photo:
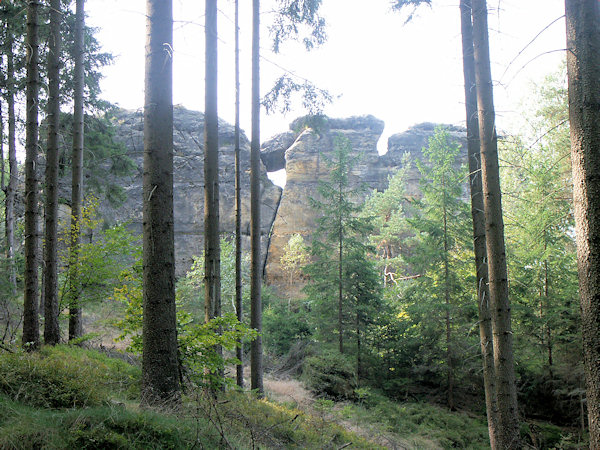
(300, 151)
(305, 166)
(189, 183)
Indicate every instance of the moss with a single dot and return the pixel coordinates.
(66, 377)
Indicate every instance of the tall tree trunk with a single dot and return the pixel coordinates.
(2, 165)
(548, 327)
(51, 327)
(508, 413)
(256, 356)
(238, 203)
(479, 247)
(31, 327)
(212, 252)
(212, 246)
(160, 363)
(75, 316)
(11, 188)
(340, 280)
(449, 362)
(359, 370)
(583, 67)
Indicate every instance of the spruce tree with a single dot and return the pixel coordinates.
(340, 232)
(508, 411)
(51, 307)
(160, 362)
(30, 302)
(583, 67)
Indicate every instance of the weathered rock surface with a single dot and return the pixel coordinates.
(412, 142)
(305, 167)
(188, 182)
(301, 151)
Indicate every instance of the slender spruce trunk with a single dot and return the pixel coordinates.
(31, 327)
(212, 246)
(212, 251)
(449, 362)
(359, 369)
(583, 68)
(256, 356)
(508, 413)
(340, 277)
(160, 361)
(11, 188)
(479, 245)
(2, 164)
(549, 345)
(238, 204)
(51, 326)
(75, 314)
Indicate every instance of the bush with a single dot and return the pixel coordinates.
(66, 377)
(331, 374)
(284, 326)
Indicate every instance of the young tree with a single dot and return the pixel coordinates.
(440, 225)
(583, 67)
(478, 218)
(542, 252)
(30, 307)
(295, 257)
(344, 285)
(51, 309)
(508, 413)
(160, 365)
(339, 229)
(256, 357)
(75, 316)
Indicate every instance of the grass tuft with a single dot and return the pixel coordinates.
(66, 377)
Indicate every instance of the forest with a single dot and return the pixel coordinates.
(444, 295)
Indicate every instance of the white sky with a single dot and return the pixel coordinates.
(372, 62)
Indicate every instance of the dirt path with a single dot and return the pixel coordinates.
(289, 390)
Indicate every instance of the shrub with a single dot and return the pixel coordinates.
(331, 374)
(284, 326)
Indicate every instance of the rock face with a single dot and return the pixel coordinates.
(412, 142)
(301, 151)
(188, 182)
(305, 167)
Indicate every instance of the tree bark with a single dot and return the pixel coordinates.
(256, 357)
(31, 329)
(340, 279)
(51, 326)
(212, 246)
(75, 316)
(479, 245)
(508, 414)
(11, 188)
(2, 159)
(359, 369)
(238, 203)
(583, 68)
(160, 363)
(449, 362)
(212, 251)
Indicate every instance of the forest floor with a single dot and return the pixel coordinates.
(289, 391)
(67, 397)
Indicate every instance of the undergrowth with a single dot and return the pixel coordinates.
(67, 397)
(66, 377)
